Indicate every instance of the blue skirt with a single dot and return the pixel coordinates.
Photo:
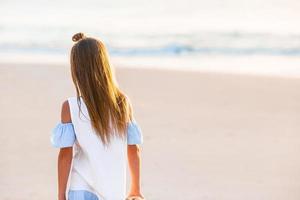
(81, 195)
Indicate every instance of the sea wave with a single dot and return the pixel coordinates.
(226, 43)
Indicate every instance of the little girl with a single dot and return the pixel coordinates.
(97, 133)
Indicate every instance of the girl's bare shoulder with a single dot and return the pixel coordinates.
(65, 112)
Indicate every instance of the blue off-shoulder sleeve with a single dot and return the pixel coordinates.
(134, 133)
(63, 135)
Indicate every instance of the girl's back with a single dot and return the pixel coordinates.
(103, 168)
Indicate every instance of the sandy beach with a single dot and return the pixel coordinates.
(207, 136)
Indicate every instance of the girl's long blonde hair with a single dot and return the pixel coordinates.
(109, 109)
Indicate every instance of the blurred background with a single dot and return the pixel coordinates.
(143, 33)
(214, 86)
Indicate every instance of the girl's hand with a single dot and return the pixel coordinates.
(61, 197)
(135, 196)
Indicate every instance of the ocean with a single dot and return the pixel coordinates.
(152, 29)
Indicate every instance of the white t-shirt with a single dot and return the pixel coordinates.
(96, 168)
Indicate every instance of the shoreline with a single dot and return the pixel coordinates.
(273, 66)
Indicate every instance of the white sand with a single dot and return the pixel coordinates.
(207, 136)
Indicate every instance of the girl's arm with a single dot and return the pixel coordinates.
(64, 157)
(134, 160)
(64, 165)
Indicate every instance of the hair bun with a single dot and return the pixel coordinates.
(78, 36)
